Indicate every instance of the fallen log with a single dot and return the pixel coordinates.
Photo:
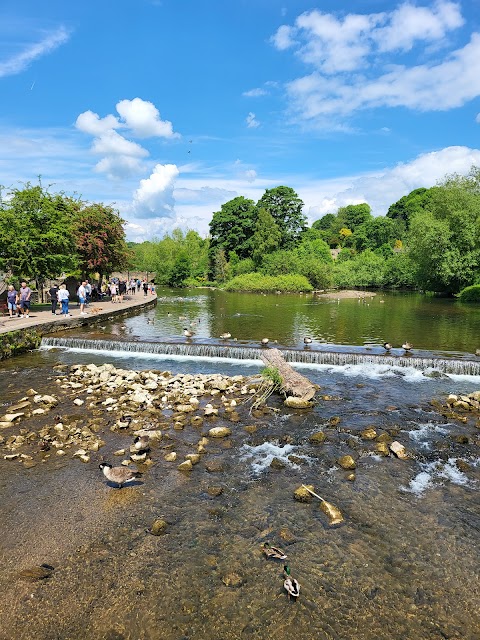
(293, 383)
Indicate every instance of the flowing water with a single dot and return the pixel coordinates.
(405, 563)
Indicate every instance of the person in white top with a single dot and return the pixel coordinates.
(82, 297)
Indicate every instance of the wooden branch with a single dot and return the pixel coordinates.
(293, 383)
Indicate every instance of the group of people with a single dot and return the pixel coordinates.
(60, 295)
(18, 302)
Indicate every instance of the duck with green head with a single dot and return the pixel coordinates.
(292, 586)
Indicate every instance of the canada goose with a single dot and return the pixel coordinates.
(264, 341)
(291, 585)
(118, 475)
(141, 443)
(225, 336)
(187, 333)
(387, 346)
(307, 340)
(407, 346)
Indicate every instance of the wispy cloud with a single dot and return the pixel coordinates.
(21, 61)
(255, 93)
(389, 59)
(251, 120)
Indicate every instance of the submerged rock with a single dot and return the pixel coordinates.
(347, 462)
(158, 527)
(302, 495)
(317, 438)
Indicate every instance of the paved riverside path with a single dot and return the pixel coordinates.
(45, 322)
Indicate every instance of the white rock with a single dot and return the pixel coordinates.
(219, 432)
(78, 402)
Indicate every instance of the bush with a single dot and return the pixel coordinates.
(291, 282)
(470, 294)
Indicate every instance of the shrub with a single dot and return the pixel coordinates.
(470, 294)
(291, 282)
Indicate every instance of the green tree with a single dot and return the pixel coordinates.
(266, 238)
(285, 207)
(404, 209)
(232, 228)
(180, 271)
(325, 223)
(36, 239)
(374, 233)
(354, 215)
(444, 241)
(100, 240)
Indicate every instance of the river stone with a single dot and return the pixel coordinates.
(11, 456)
(185, 466)
(159, 527)
(184, 408)
(347, 462)
(369, 433)
(11, 417)
(276, 463)
(31, 393)
(219, 432)
(170, 457)
(36, 573)
(462, 465)
(232, 580)
(297, 403)
(302, 495)
(193, 457)
(214, 491)
(196, 421)
(119, 452)
(399, 450)
(210, 411)
(49, 400)
(317, 438)
(382, 449)
(19, 406)
(350, 476)
(250, 428)
(287, 536)
(214, 466)
(78, 402)
(384, 437)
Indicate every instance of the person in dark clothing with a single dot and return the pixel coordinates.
(53, 293)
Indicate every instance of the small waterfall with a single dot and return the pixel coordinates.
(238, 352)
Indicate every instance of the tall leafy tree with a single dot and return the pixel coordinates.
(232, 228)
(267, 236)
(285, 207)
(36, 240)
(354, 215)
(100, 240)
(404, 209)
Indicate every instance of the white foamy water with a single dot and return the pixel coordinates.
(425, 432)
(261, 456)
(372, 371)
(435, 473)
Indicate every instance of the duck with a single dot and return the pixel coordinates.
(307, 340)
(291, 585)
(118, 475)
(150, 320)
(141, 443)
(477, 352)
(387, 346)
(407, 346)
(264, 341)
(274, 552)
(187, 333)
(225, 336)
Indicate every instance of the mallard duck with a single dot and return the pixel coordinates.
(387, 346)
(264, 341)
(274, 552)
(291, 585)
(118, 475)
(225, 336)
(307, 340)
(187, 333)
(407, 346)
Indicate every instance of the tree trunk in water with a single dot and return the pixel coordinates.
(293, 383)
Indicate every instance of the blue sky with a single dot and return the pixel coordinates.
(168, 108)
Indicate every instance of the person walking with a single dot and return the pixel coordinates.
(25, 295)
(145, 288)
(88, 291)
(12, 298)
(53, 293)
(82, 297)
(63, 297)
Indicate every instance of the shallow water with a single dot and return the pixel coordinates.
(403, 565)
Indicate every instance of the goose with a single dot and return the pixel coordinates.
(225, 336)
(407, 346)
(387, 346)
(118, 475)
(477, 352)
(187, 333)
(141, 443)
(307, 340)
(291, 585)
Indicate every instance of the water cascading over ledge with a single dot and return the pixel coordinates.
(238, 352)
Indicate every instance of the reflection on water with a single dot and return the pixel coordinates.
(403, 566)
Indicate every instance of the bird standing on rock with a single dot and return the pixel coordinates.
(307, 340)
(407, 346)
(387, 346)
(118, 475)
(187, 333)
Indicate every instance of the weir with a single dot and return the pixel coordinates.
(239, 352)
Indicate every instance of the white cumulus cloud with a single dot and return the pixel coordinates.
(90, 122)
(154, 197)
(143, 119)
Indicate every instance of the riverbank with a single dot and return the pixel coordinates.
(18, 335)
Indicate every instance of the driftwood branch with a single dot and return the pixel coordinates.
(293, 383)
